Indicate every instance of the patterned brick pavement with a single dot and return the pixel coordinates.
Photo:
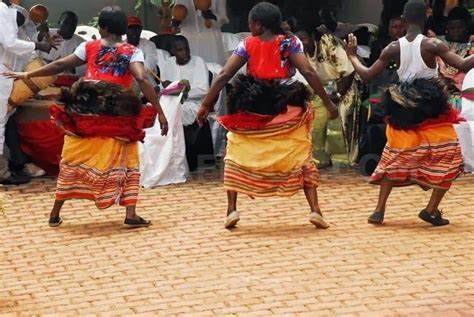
(275, 262)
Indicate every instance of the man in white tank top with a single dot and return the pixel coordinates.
(422, 146)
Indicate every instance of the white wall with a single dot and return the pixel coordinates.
(361, 11)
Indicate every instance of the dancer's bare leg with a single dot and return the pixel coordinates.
(232, 214)
(386, 187)
(134, 220)
(311, 194)
(431, 213)
(54, 218)
(316, 217)
(231, 201)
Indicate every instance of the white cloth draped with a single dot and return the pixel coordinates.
(197, 73)
(10, 48)
(205, 42)
(163, 159)
(465, 130)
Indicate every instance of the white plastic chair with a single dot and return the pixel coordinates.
(371, 27)
(231, 41)
(88, 32)
(147, 34)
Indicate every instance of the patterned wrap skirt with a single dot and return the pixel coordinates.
(273, 159)
(422, 145)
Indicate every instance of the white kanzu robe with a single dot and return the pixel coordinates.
(204, 42)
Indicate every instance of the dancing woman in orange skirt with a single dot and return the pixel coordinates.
(103, 121)
(269, 150)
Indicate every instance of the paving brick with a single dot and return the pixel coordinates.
(273, 263)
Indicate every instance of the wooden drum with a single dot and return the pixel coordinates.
(40, 139)
(24, 89)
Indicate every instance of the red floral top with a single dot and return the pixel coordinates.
(270, 59)
(109, 63)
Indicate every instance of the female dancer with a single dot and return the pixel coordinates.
(103, 121)
(269, 148)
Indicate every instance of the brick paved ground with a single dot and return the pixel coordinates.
(274, 263)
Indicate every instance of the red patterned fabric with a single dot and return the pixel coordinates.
(121, 127)
(42, 142)
(109, 63)
(452, 116)
(244, 120)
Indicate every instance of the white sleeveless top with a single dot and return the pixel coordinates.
(412, 65)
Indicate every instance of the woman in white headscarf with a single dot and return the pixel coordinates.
(203, 41)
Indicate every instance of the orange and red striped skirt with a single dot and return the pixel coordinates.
(274, 159)
(105, 170)
(429, 156)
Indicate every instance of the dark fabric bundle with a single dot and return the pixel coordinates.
(408, 104)
(100, 98)
(265, 97)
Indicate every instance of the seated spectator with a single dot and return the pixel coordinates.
(192, 68)
(67, 26)
(457, 38)
(135, 27)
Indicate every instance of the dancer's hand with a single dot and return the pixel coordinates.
(202, 114)
(14, 75)
(163, 124)
(333, 111)
(351, 45)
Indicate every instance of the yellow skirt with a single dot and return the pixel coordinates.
(105, 170)
(274, 160)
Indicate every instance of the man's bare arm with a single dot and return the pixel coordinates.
(449, 57)
(367, 73)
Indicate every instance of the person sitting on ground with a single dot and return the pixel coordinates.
(192, 68)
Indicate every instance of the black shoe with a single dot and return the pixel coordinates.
(137, 223)
(436, 219)
(16, 179)
(55, 221)
(376, 218)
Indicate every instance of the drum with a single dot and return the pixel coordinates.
(24, 89)
(202, 5)
(40, 139)
(180, 12)
(39, 14)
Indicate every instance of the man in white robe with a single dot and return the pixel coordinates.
(205, 42)
(182, 65)
(67, 26)
(10, 48)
